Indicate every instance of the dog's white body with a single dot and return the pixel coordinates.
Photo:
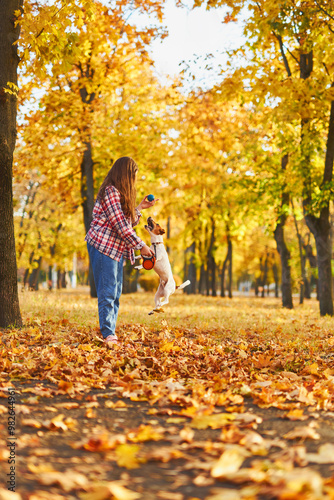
(163, 268)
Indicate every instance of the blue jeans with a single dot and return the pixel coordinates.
(108, 277)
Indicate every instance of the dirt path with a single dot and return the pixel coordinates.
(148, 449)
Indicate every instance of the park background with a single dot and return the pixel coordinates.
(234, 146)
(216, 398)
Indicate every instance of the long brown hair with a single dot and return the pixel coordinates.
(122, 176)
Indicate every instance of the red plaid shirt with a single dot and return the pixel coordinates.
(111, 231)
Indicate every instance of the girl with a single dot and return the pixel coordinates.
(111, 238)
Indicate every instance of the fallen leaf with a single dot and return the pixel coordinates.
(103, 490)
(214, 421)
(187, 434)
(164, 454)
(9, 495)
(100, 442)
(296, 415)
(302, 432)
(325, 455)
(127, 455)
(68, 480)
(224, 494)
(45, 495)
(31, 422)
(146, 433)
(230, 461)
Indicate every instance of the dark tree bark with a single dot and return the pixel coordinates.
(87, 179)
(227, 264)
(26, 277)
(207, 279)
(275, 273)
(285, 264)
(168, 234)
(320, 227)
(230, 247)
(202, 279)
(302, 259)
(222, 277)
(309, 255)
(211, 264)
(256, 287)
(50, 284)
(213, 276)
(9, 302)
(58, 279)
(307, 288)
(130, 278)
(63, 279)
(87, 195)
(283, 249)
(190, 269)
(34, 276)
(265, 275)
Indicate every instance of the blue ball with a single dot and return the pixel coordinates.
(150, 197)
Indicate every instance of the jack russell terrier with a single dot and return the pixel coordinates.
(162, 266)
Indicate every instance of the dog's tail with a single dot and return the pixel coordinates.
(186, 283)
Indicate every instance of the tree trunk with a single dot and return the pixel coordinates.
(87, 196)
(283, 249)
(26, 276)
(50, 284)
(202, 279)
(321, 230)
(285, 264)
(130, 278)
(275, 273)
(213, 277)
(307, 288)
(63, 279)
(168, 234)
(313, 264)
(256, 287)
(230, 249)
(207, 278)
(265, 275)
(58, 279)
(227, 262)
(9, 303)
(190, 273)
(33, 279)
(211, 264)
(319, 226)
(222, 282)
(302, 260)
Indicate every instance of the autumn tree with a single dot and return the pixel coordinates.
(9, 34)
(89, 88)
(288, 64)
(205, 169)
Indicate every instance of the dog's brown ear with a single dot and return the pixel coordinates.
(161, 231)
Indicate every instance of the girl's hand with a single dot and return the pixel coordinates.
(145, 251)
(146, 204)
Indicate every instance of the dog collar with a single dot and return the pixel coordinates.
(155, 244)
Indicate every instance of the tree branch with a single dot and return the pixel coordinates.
(285, 60)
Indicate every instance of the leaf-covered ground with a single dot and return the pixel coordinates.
(215, 399)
